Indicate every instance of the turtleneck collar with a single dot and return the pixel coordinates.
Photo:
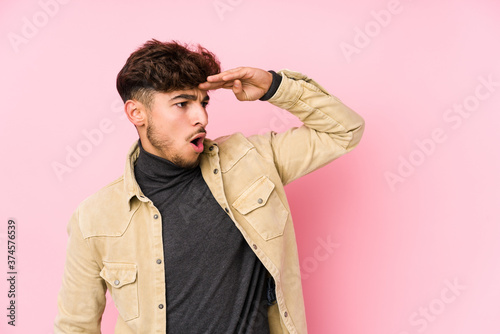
(157, 168)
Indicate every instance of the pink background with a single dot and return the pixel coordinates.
(398, 245)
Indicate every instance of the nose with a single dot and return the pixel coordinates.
(200, 116)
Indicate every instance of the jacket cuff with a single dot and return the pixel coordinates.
(274, 86)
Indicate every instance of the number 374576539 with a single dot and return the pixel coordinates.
(11, 244)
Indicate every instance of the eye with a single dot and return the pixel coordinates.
(181, 104)
(204, 104)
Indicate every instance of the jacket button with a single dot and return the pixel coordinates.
(286, 314)
(160, 306)
(216, 171)
(227, 210)
(155, 216)
(158, 261)
(254, 246)
(260, 201)
(117, 282)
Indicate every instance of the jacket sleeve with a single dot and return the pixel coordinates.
(330, 128)
(81, 299)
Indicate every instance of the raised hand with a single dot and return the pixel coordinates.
(247, 83)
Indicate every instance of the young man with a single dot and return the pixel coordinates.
(196, 236)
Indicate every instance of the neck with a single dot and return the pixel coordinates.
(159, 168)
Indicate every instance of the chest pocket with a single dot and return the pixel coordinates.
(262, 208)
(122, 277)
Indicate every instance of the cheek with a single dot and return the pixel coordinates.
(163, 125)
(171, 126)
(173, 131)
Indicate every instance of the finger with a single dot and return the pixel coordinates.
(217, 77)
(236, 87)
(211, 85)
(206, 86)
(229, 75)
(239, 73)
(215, 85)
(238, 90)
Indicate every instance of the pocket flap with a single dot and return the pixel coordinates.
(255, 196)
(119, 274)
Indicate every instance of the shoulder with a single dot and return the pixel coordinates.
(106, 212)
(105, 194)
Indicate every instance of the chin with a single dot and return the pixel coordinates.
(188, 164)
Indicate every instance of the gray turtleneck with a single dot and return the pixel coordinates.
(214, 281)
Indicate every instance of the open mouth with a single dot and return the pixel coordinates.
(197, 142)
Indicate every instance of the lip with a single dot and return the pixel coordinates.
(199, 147)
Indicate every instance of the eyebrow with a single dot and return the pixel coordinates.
(189, 97)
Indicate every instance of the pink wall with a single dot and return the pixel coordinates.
(411, 215)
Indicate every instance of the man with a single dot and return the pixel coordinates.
(196, 236)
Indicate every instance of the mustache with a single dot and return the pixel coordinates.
(200, 130)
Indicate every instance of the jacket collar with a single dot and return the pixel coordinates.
(131, 187)
(132, 190)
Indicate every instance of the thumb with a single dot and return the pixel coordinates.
(238, 90)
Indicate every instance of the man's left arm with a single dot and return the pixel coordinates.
(330, 128)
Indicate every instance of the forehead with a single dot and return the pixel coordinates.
(194, 94)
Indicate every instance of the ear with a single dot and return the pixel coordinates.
(136, 112)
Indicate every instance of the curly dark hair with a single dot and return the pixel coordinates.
(164, 67)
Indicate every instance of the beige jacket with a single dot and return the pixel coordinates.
(115, 235)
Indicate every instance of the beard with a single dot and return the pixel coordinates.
(164, 145)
